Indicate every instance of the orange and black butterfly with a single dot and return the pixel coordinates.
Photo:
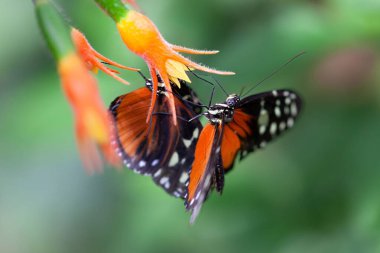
(236, 127)
(159, 149)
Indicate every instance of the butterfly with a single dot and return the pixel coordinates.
(236, 127)
(159, 148)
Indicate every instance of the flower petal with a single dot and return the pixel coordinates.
(187, 50)
(197, 66)
(177, 70)
(91, 57)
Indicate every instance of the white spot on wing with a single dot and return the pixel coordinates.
(282, 126)
(277, 111)
(196, 133)
(275, 93)
(263, 144)
(262, 129)
(187, 142)
(290, 122)
(174, 159)
(142, 163)
(158, 173)
(155, 162)
(273, 128)
(207, 181)
(293, 109)
(184, 177)
(263, 120)
(164, 180)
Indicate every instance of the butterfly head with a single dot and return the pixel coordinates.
(232, 100)
(223, 112)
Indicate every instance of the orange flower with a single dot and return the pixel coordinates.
(93, 59)
(92, 121)
(143, 38)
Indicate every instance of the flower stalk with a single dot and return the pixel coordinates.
(116, 9)
(92, 121)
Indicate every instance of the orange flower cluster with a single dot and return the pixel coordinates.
(141, 36)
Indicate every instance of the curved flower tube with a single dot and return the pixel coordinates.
(92, 122)
(93, 59)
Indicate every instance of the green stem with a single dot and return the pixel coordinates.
(54, 29)
(114, 8)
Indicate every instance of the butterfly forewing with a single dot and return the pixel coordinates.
(257, 120)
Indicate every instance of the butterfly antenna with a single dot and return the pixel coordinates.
(142, 75)
(276, 71)
(207, 81)
(186, 101)
(221, 87)
(170, 114)
(241, 91)
(211, 97)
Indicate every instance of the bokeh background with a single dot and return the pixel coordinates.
(316, 189)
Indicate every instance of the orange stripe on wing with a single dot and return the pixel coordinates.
(230, 147)
(201, 159)
(241, 123)
(234, 131)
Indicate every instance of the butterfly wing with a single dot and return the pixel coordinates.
(259, 119)
(202, 174)
(159, 148)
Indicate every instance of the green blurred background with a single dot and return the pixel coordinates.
(316, 189)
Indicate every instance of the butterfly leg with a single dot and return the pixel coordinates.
(170, 114)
